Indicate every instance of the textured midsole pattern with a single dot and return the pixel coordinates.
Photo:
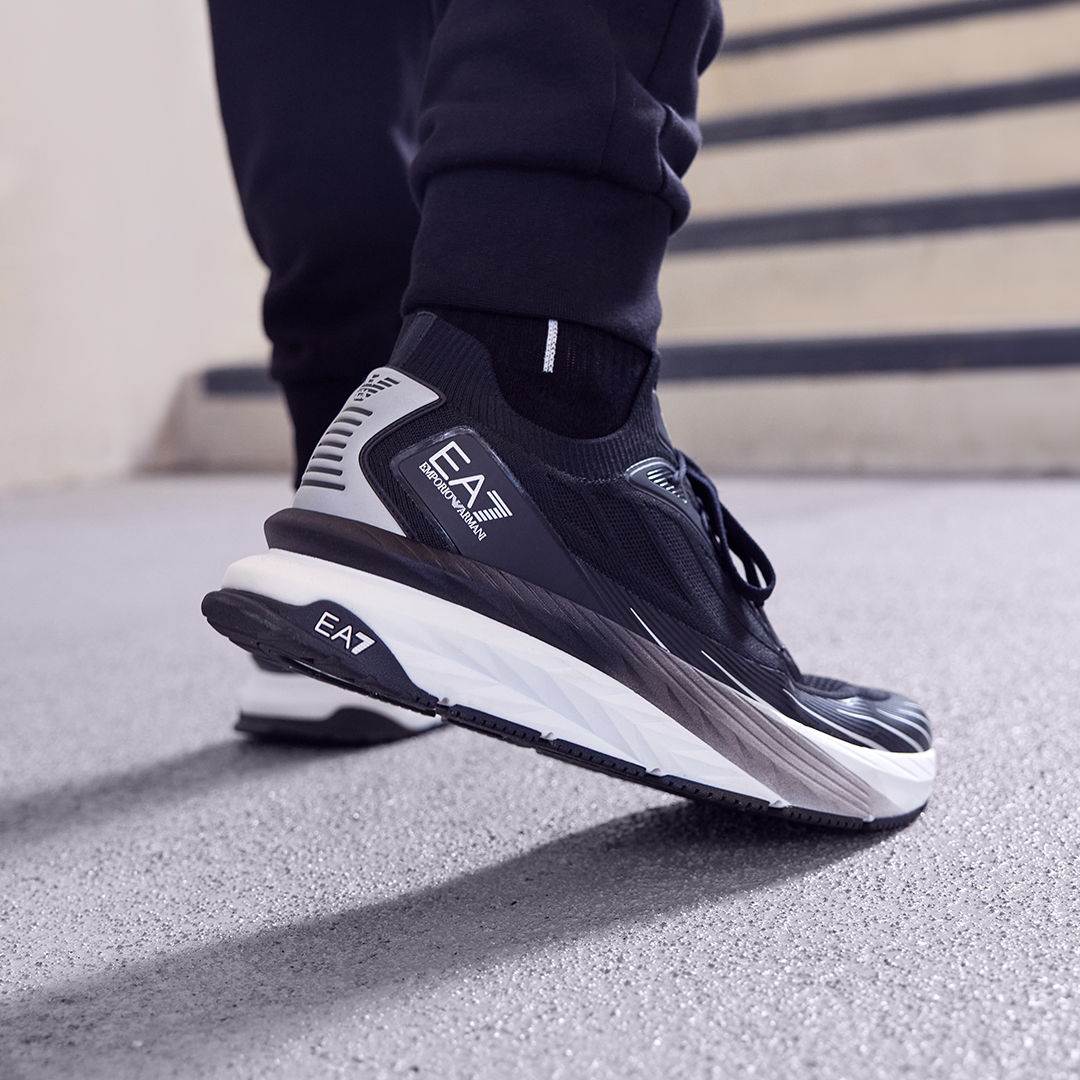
(465, 658)
(462, 657)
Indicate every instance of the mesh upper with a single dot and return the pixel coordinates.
(627, 535)
(639, 545)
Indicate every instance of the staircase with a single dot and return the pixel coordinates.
(882, 268)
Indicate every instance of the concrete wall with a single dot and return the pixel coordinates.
(977, 279)
(995, 279)
(123, 261)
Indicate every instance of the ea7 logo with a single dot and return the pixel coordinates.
(350, 638)
(450, 459)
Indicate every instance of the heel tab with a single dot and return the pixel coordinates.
(334, 480)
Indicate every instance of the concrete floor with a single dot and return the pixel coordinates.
(179, 903)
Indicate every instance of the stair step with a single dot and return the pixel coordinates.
(985, 153)
(1018, 422)
(983, 278)
(1014, 45)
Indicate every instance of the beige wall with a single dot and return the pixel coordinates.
(1017, 45)
(123, 260)
(968, 280)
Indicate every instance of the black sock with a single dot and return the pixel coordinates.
(584, 389)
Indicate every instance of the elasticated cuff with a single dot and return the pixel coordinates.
(544, 244)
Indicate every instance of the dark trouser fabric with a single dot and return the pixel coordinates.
(319, 101)
(543, 141)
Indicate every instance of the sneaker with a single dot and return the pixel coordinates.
(280, 705)
(579, 596)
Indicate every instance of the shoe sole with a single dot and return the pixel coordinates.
(427, 653)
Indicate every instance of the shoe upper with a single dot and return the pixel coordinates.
(623, 524)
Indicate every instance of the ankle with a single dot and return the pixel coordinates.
(571, 379)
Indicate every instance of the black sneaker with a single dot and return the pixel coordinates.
(279, 705)
(578, 596)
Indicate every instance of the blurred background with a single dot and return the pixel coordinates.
(881, 273)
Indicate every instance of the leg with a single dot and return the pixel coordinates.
(319, 102)
(553, 135)
(577, 586)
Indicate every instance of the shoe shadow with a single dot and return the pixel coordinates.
(204, 1006)
(46, 813)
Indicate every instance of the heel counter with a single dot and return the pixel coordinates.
(333, 481)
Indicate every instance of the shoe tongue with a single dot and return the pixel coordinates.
(659, 476)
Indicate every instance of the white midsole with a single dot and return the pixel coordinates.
(288, 695)
(464, 658)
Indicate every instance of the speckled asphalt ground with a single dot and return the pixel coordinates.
(176, 902)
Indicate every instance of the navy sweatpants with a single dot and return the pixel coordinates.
(512, 156)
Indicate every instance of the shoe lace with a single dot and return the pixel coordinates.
(758, 578)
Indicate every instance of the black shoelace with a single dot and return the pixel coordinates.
(758, 578)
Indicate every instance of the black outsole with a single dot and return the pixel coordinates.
(585, 758)
(253, 623)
